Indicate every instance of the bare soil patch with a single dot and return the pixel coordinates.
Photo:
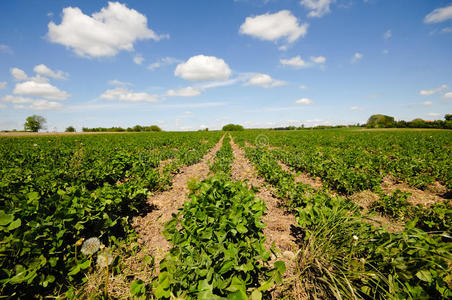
(428, 197)
(279, 223)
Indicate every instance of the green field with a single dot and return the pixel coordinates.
(56, 192)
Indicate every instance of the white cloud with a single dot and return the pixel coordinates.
(318, 8)
(138, 59)
(30, 103)
(387, 35)
(303, 87)
(166, 61)
(439, 15)
(433, 91)
(272, 27)
(126, 95)
(45, 105)
(265, 81)
(446, 30)
(447, 95)
(304, 101)
(184, 92)
(427, 103)
(104, 33)
(385, 51)
(18, 74)
(3, 85)
(201, 67)
(188, 113)
(16, 99)
(46, 71)
(6, 49)
(432, 114)
(357, 57)
(318, 59)
(118, 82)
(356, 108)
(40, 89)
(296, 62)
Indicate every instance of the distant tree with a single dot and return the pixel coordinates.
(154, 128)
(34, 123)
(233, 127)
(380, 121)
(70, 129)
(448, 117)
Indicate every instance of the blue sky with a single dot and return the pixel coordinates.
(187, 65)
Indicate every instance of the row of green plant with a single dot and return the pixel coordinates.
(349, 161)
(223, 158)
(56, 190)
(342, 256)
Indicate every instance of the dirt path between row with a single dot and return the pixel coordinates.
(278, 229)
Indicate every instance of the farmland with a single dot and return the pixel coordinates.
(254, 214)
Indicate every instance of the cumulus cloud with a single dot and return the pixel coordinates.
(18, 74)
(201, 67)
(317, 8)
(447, 95)
(126, 95)
(138, 59)
(46, 71)
(184, 92)
(387, 35)
(305, 101)
(30, 103)
(273, 27)
(296, 62)
(166, 61)
(357, 57)
(318, 59)
(433, 91)
(40, 89)
(118, 82)
(3, 85)
(104, 33)
(265, 81)
(439, 15)
(356, 108)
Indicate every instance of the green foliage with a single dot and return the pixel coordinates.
(56, 190)
(218, 245)
(232, 127)
(395, 205)
(380, 121)
(70, 129)
(223, 158)
(34, 123)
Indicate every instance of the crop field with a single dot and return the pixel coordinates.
(253, 214)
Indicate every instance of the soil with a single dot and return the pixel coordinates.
(428, 197)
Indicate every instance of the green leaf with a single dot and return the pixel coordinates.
(15, 224)
(280, 266)
(137, 288)
(241, 228)
(226, 267)
(5, 219)
(424, 275)
(255, 295)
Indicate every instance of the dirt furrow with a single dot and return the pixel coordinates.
(279, 223)
(166, 203)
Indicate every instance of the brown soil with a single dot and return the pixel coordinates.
(278, 230)
(426, 198)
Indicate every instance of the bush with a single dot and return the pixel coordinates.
(233, 127)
